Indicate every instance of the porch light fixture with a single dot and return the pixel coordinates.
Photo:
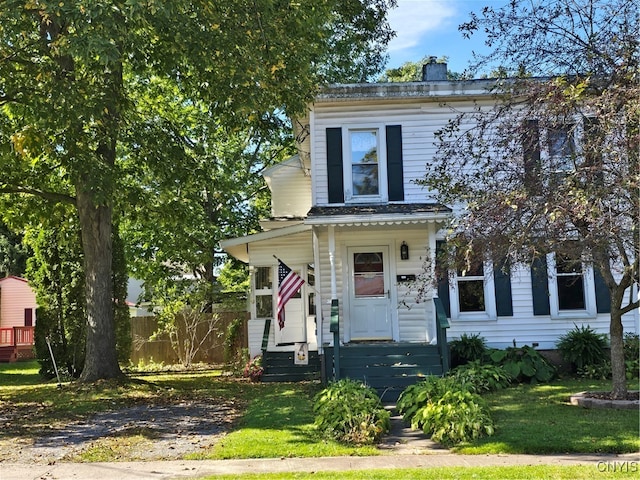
(404, 251)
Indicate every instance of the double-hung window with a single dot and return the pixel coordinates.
(571, 287)
(471, 291)
(263, 287)
(365, 165)
(561, 147)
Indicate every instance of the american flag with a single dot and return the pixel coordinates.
(289, 282)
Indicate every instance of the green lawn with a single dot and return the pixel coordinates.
(539, 419)
(278, 418)
(520, 472)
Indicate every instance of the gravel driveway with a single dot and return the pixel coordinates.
(172, 431)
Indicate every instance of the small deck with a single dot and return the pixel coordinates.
(16, 343)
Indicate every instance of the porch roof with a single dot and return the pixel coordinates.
(239, 247)
(394, 214)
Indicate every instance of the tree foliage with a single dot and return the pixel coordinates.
(13, 252)
(82, 90)
(570, 65)
(412, 71)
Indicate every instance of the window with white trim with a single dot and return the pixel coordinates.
(561, 147)
(365, 163)
(472, 291)
(571, 287)
(263, 288)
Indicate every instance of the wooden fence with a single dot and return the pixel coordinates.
(146, 350)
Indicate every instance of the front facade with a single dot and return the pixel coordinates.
(349, 216)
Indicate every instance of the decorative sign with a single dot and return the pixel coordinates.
(301, 354)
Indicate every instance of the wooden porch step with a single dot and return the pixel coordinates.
(390, 367)
(8, 354)
(281, 367)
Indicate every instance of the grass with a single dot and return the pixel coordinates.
(278, 418)
(520, 472)
(279, 423)
(538, 419)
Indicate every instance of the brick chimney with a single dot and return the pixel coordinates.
(433, 71)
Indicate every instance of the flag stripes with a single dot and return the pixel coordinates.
(289, 282)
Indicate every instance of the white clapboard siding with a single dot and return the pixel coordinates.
(413, 321)
(15, 296)
(296, 251)
(526, 328)
(290, 185)
(420, 122)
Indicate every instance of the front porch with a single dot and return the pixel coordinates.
(387, 367)
(16, 343)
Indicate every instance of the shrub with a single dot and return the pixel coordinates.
(600, 371)
(351, 412)
(632, 355)
(479, 378)
(467, 349)
(415, 396)
(523, 363)
(582, 346)
(253, 369)
(448, 412)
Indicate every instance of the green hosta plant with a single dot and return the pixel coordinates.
(445, 410)
(480, 378)
(415, 396)
(468, 348)
(582, 346)
(350, 412)
(523, 364)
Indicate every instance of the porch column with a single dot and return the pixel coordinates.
(334, 326)
(432, 327)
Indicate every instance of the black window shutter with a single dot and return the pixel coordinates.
(502, 285)
(442, 274)
(531, 148)
(334, 165)
(540, 287)
(603, 297)
(395, 176)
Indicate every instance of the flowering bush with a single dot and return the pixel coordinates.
(253, 369)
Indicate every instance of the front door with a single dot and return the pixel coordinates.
(370, 306)
(295, 325)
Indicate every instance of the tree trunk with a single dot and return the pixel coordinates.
(101, 360)
(618, 371)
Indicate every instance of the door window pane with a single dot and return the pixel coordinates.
(368, 274)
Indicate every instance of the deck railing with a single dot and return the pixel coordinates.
(16, 336)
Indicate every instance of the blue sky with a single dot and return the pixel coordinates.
(430, 27)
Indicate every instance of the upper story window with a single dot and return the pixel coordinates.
(364, 174)
(561, 147)
(365, 169)
(364, 164)
(551, 152)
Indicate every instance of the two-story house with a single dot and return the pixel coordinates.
(348, 216)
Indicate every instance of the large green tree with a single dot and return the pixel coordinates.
(70, 70)
(552, 164)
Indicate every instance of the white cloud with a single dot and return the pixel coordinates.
(412, 19)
